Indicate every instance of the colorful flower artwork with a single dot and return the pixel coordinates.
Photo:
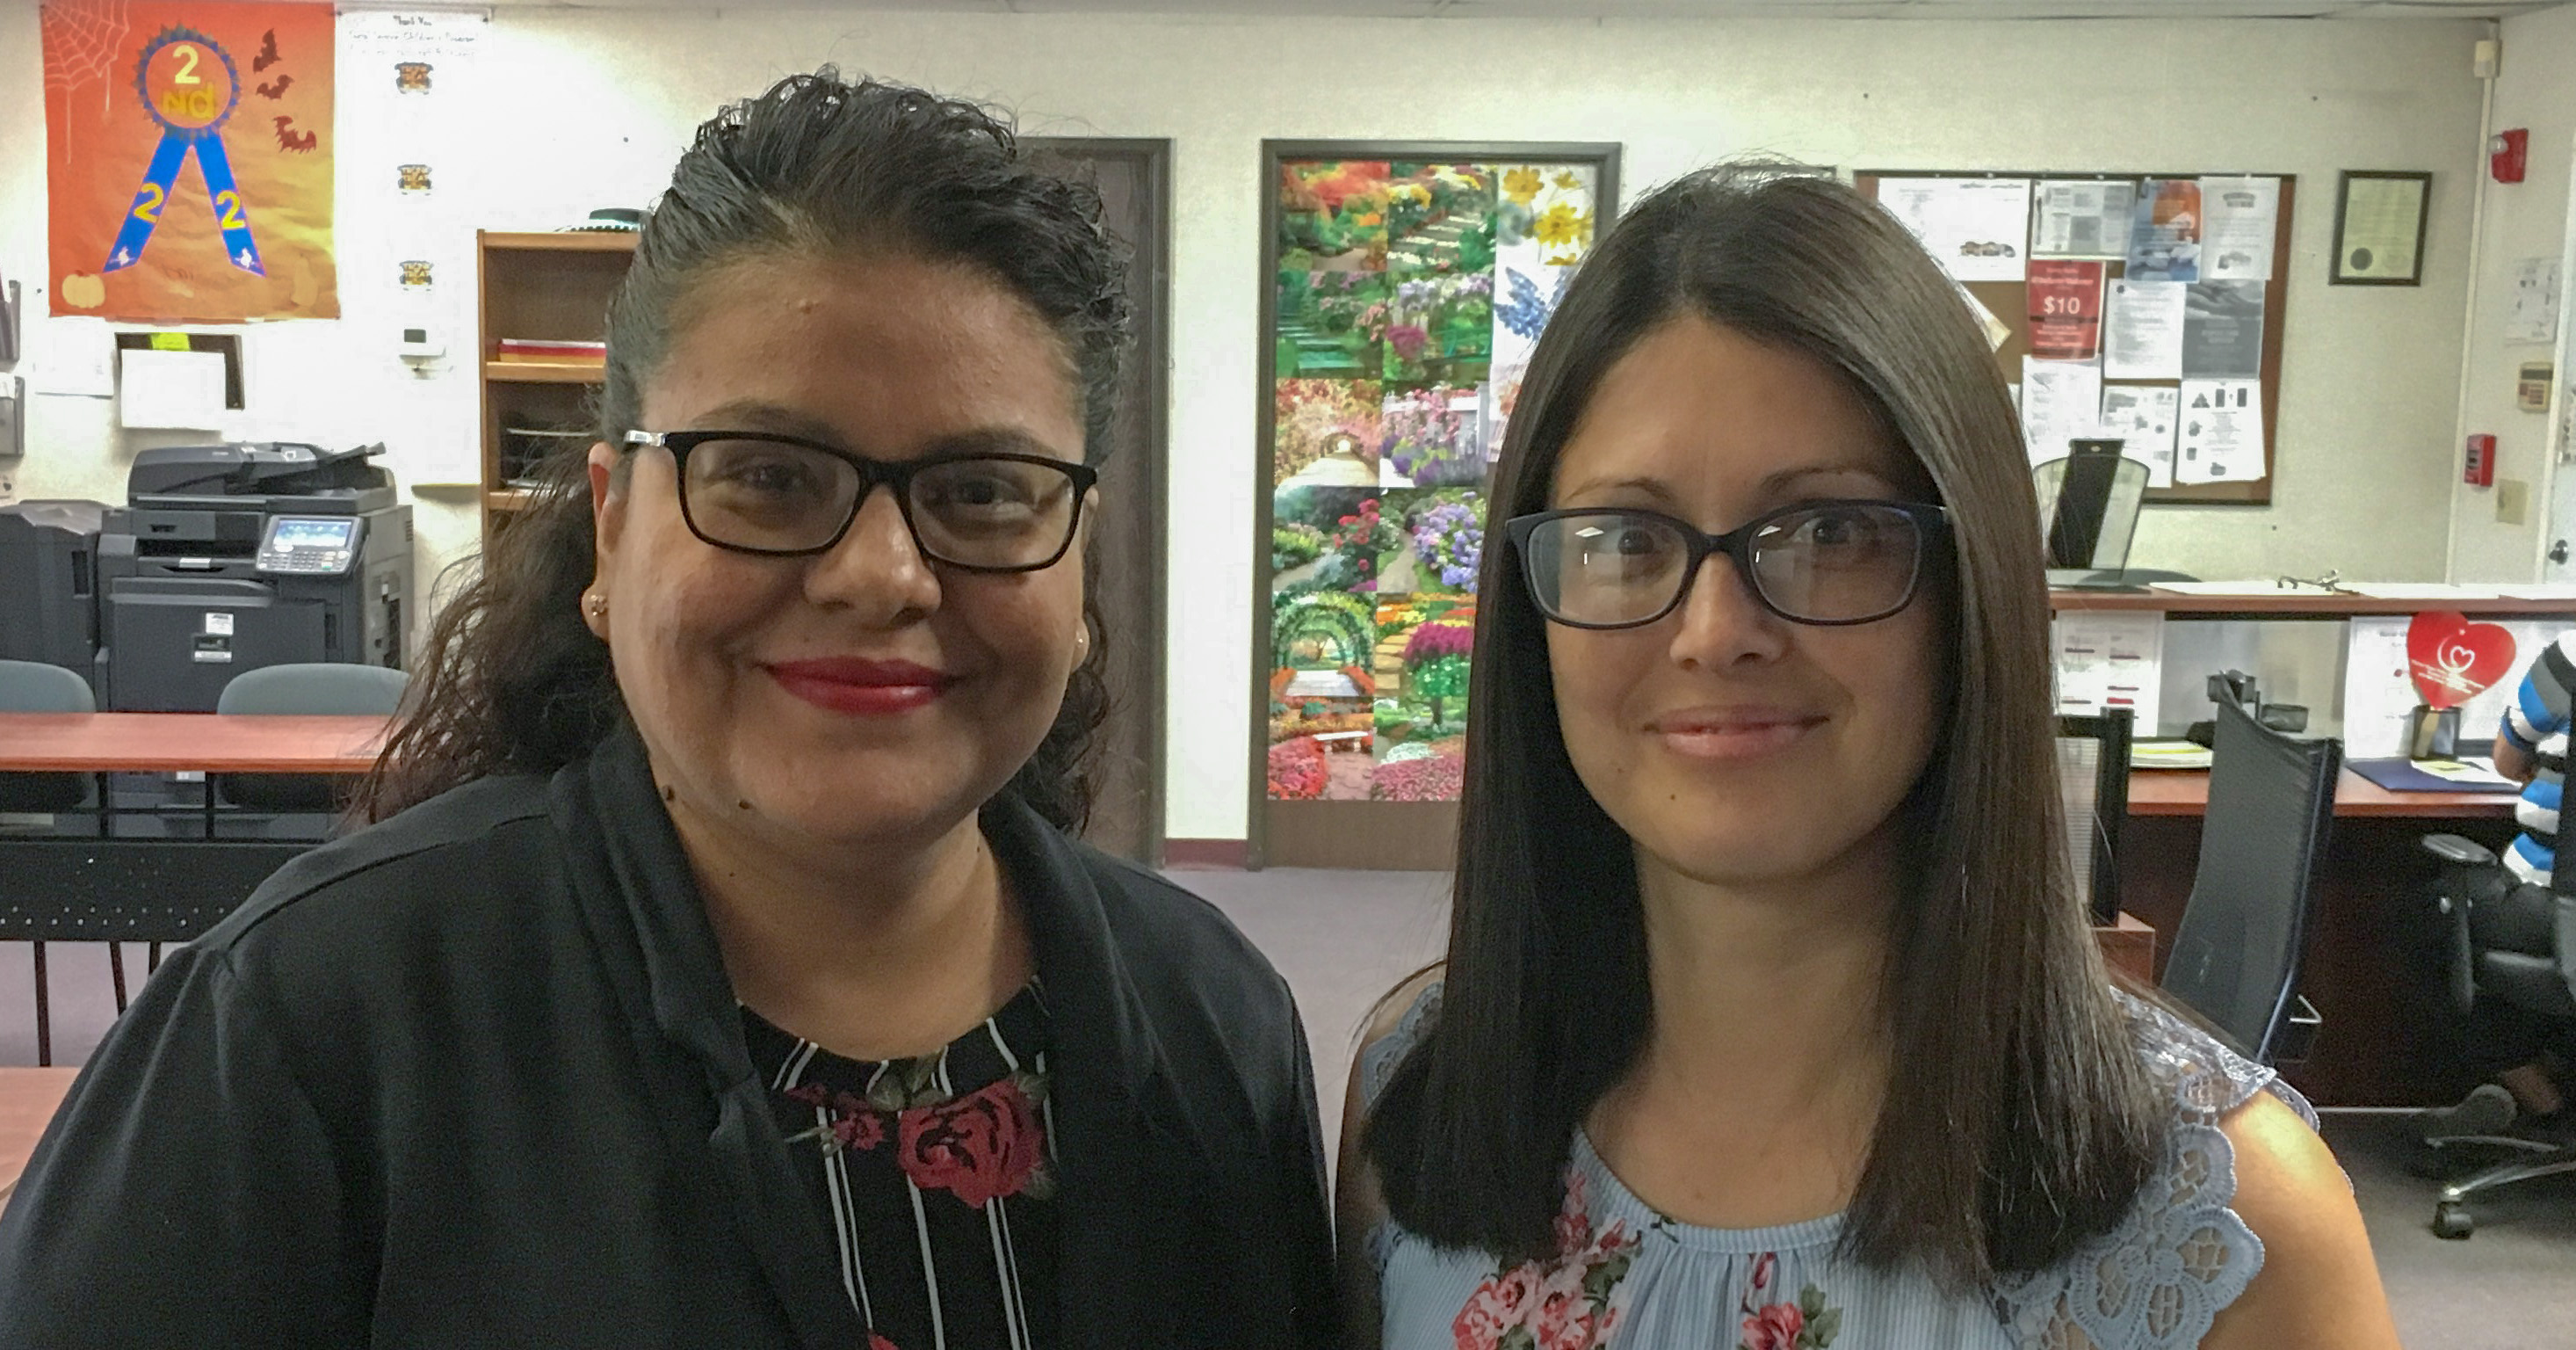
(1441, 220)
(1424, 647)
(1328, 538)
(1439, 327)
(1322, 687)
(1410, 296)
(1333, 215)
(1432, 436)
(1330, 323)
(1437, 541)
(1326, 433)
(1544, 215)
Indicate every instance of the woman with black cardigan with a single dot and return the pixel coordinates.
(726, 974)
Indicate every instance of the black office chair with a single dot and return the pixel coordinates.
(2093, 786)
(303, 689)
(2236, 954)
(2543, 985)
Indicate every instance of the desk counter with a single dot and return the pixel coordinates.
(2184, 792)
(2303, 604)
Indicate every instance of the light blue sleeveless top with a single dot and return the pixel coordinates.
(1626, 1276)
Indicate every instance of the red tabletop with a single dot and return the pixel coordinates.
(180, 742)
(28, 1099)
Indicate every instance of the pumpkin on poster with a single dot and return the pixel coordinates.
(189, 160)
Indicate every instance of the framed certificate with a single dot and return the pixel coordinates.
(2379, 228)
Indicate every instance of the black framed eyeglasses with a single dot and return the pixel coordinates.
(787, 497)
(1827, 563)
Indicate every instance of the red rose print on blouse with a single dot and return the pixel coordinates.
(854, 1124)
(1569, 1303)
(1774, 1328)
(979, 1147)
(1808, 1324)
(877, 1342)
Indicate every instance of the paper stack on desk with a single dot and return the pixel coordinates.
(2430, 775)
(2168, 755)
(2255, 587)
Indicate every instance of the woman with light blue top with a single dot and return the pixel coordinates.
(1769, 1018)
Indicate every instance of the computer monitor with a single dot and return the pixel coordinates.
(2088, 505)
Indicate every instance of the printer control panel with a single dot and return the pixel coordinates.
(308, 545)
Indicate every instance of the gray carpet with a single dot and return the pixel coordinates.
(1343, 938)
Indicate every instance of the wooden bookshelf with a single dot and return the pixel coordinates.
(544, 372)
(547, 287)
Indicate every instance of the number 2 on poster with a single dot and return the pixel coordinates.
(147, 204)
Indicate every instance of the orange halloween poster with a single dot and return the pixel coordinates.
(188, 160)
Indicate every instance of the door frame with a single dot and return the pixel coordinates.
(1150, 343)
(2558, 442)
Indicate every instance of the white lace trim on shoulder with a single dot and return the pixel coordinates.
(1379, 1058)
(2158, 1281)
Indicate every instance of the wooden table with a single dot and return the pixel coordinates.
(28, 1100)
(181, 742)
(2185, 792)
(56, 889)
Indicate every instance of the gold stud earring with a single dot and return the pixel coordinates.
(599, 606)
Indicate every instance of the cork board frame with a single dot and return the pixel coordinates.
(2010, 302)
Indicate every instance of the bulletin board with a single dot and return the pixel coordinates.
(2009, 301)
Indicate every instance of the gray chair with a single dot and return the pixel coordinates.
(34, 687)
(2236, 953)
(316, 689)
(2540, 984)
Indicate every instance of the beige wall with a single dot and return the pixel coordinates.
(2536, 90)
(594, 103)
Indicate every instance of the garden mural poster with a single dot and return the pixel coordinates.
(188, 160)
(1410, 296)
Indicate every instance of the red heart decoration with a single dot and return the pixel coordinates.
(2453, 659)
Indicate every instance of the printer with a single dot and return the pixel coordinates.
(47, 611)
(228, 558)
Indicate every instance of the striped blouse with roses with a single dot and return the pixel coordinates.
(935, 1175)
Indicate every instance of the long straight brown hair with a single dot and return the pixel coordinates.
(2021, 1121)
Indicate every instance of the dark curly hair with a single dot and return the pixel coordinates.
(512, 681)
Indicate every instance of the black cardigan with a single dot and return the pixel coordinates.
(475, 1077)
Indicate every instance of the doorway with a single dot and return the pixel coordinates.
(1133, 177)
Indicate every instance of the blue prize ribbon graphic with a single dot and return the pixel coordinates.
(232, 216)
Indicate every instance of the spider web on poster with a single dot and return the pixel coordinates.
(83, 40)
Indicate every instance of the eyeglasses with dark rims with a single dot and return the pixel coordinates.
(1829, 563)
(787, 497)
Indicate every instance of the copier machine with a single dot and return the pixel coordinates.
(47, 612)
(228, 558)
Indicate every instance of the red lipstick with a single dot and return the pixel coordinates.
(848, 684)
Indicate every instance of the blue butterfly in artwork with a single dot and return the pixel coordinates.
(1526, 312)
